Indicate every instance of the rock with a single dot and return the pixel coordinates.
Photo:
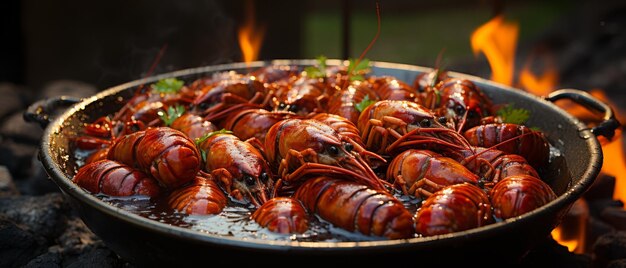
(21, 154)
(609, 247)
(15, 128)
(48, 260)
(77, 238)
(41, 215)
(11, 100)
(595, 229)
(37, 183)
(621, 263)
(597, 206)
(7, 186)
(17, 246)
(615, 216)
(602, 188)
(549, 253)
(97, 257)
(68, 88)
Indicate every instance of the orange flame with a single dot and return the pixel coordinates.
(614, 156)
(539, 85)
(571, 244)
(497, 40)
(250, 35)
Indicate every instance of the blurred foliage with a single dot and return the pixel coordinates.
(416, 35)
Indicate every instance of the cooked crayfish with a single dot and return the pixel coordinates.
(454, 208)
(492, 165)
(193, 125)
(390, 88)
(512, 139)
(283, 215)
(356, 207)
(239, 167)
(422, 172)
(387, 126)
(254, 123)
(201, 196)
(344, 102)
(297, 148)
(458, 100)
(165, 153)
(115, 179)
(519, 194)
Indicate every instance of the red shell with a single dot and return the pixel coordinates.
(516, 195)
(115, 179)
(355, 207)
(282, 215)
(454, 208)
(200, 197)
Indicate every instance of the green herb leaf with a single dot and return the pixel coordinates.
(535, 129)
(172, 113)
(513, 116)
(168, 85)
(364, 103)
(210, 134)
(435, 79)
(318, 71)
(203, 154)
(321, 60)
(356, 71)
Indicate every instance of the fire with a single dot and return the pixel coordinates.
(571, 244)
(250, 35)
(497, 39)
(539, 85)
(614, 156)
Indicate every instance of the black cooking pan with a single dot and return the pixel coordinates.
(148, 242)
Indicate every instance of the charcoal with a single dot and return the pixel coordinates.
(41, 215)
(68, 88)
(621, 263)
(77, 238)
(21, 154)
(48, 260)
(97, 257)
(6, 157)
(602, 188)
(17, 246)
(597, 206)
(15, 128)
(38, 182)
(549, 253)
(7, 186)
(616, 216)
(609, 247)
(595, 228)
(11, 100)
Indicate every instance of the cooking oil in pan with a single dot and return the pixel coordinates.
(234, 220)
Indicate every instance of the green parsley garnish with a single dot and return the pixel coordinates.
(364, 103)
(210, 134)
(356, 71)
(168, 85)
(203, 154)
(513, 116)
(172, 113)
(318, 71)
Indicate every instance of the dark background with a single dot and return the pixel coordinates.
(105, 43)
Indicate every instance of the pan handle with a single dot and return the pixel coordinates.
(42, 111)
(609, 124)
